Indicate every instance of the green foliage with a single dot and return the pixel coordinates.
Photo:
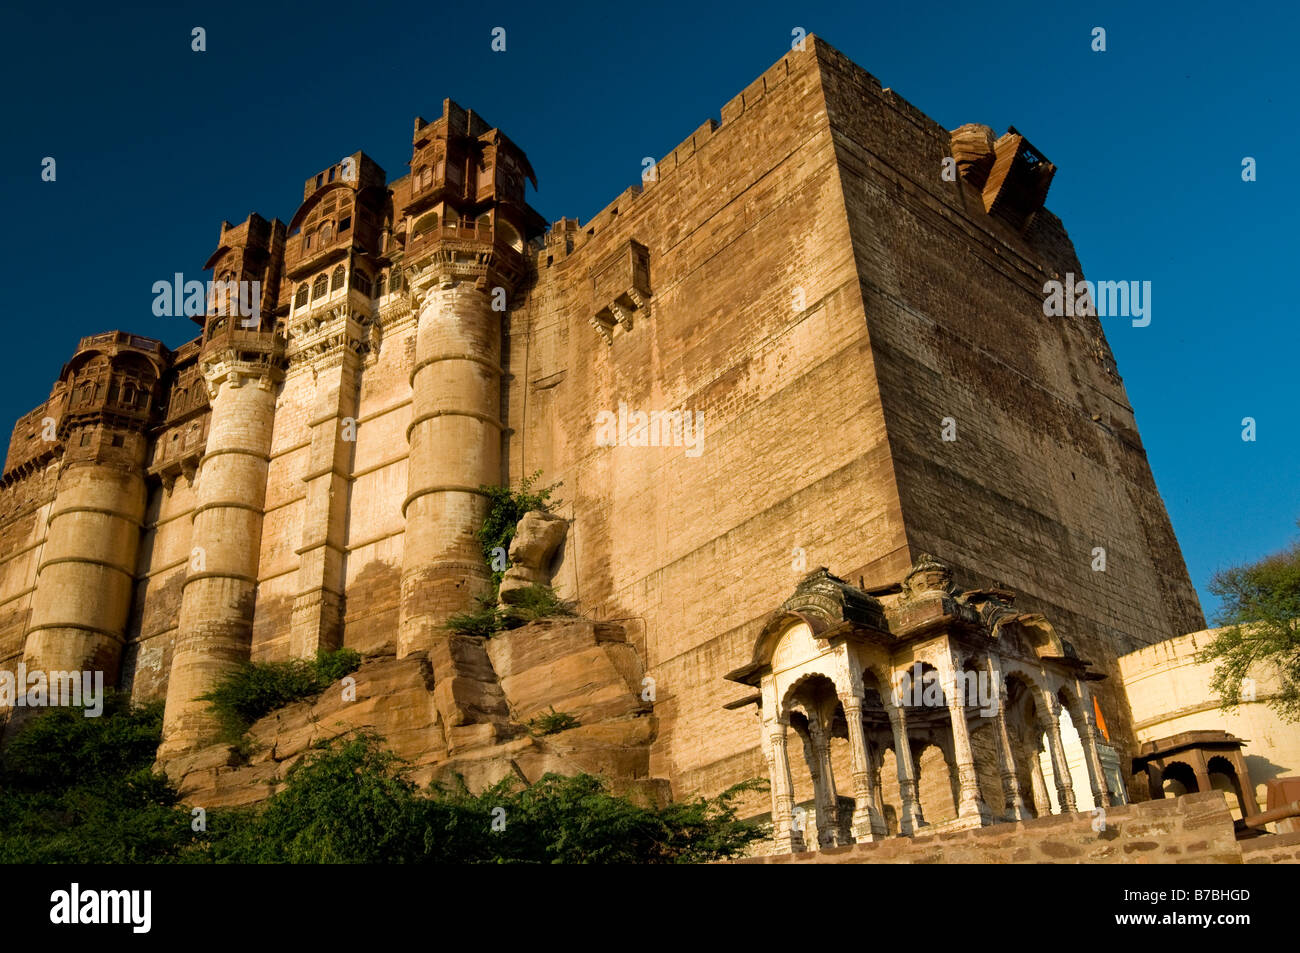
(79, 790)
(506, 508)
(1261, 614)
(82, 790)
(533, 603)
(551, 723)
(347, 801)
(483, 621)
(350, 801)
(259, 688)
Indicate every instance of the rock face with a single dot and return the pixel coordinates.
(537, 537)
(581, 668)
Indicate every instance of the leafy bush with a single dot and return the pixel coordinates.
(483, 621)
(349, 801)
(83, 790)
(533, 603)
(552, 723)
(256, 689)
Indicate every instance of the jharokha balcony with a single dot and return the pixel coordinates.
(472, 237)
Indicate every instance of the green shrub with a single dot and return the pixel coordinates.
(256, 689)
(350, 801)
(483, 621)
(549, 724)
(347, 801)
(83, 790)
(533, 603)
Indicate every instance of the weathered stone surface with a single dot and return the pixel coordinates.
(1123, 841)
(396, 698)
(537, 537)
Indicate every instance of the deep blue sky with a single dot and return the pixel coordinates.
(156, 144)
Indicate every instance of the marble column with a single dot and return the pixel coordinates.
(827, 799)
(1042, 801)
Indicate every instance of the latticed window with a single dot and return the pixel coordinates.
(300, 298)
(361, 281)
(339, 276)
(379, 287)
(320, 286)
(326, 233)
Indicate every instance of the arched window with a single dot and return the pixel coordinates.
(320, 286)
(326, 233)
(427, 224)
(339, 276)
(421, 177)
(300, 298)
(361, 281)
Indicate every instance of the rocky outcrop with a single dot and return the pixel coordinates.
(537, 536)
(576, 666)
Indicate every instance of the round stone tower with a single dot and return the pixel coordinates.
(455, 448)
(84, 583)
(462, 250)
(242, 360)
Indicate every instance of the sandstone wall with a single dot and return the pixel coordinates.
(25, 502)
(745, 223)
(1047, 463)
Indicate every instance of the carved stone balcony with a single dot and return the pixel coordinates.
(621, 289)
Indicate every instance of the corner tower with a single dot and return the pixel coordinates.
(109, 394)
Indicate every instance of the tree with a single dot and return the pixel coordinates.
(1260, 613)
(82, 790)
(349, 801)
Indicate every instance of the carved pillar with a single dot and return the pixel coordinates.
(970, 804)
(1155, 780)
(1015, 804)
(909, 813)
(1042, 802)
(786, 838)
(1200, 769)
(1051, 723)
(868, 824)
(828, 802)
(1244, 784)
(1086, 723)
